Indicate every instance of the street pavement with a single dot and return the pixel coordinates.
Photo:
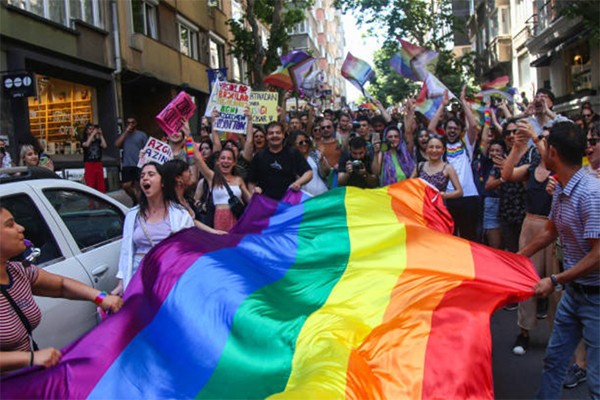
(518, 377)
(515, 377)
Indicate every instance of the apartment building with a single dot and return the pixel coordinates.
(101, 61)
(564, 56)
(490, 35)
(322, 34)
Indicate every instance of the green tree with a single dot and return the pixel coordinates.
(278, 16)
(588, 11)
(426, 23)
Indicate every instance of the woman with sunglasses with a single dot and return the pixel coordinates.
(437, 171)
(256, 141)
(395, 163)
(592, 151)
(538, 202)
(318, 164)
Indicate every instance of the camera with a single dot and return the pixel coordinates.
(357, 164)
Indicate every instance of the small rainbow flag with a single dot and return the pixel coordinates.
(425, 104)
(290, 74)
(414, 62)
(401, 63)
(354, 293)
(498, 87)
(357, 71)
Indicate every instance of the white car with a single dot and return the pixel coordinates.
(79, 231)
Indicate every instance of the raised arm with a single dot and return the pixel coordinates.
(248, 150)
(432, 127)
(214, 134)
(472, 125)
(410, 125)
(386, 115)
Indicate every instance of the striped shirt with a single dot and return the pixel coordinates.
(13, 335)
(576, 216)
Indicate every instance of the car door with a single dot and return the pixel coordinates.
(95, 225)
(63, 321)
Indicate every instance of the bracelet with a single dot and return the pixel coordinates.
(100, 298)
(31, 358)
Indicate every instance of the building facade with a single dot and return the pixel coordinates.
(100, 61)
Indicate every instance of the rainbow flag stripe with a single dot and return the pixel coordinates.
(354, 293)
(357, 71)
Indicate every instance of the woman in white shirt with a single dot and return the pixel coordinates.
(157, 216)
(318, 164)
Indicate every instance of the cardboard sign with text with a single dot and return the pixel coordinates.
(263, 106)
(174, 115)
(230, 100)
(155, 150)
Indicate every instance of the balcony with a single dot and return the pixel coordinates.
(549, 29)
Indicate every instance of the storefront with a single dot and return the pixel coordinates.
(59, 112)
(70, 93)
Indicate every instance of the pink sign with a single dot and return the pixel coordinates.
(173, 116)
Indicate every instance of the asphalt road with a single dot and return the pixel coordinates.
(518, 377)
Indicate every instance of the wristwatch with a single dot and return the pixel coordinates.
(557, 285)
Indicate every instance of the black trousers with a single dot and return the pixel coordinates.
(466, 212)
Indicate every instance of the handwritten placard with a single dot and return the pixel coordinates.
(230, 100)
(263, 107)
(155, 150)
(174, 115)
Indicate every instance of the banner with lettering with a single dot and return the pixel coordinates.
(230, 100)
(155, 150)
(174, 115)
(263, 107)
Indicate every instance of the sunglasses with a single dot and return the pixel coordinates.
(593, 141)
(327, 127)
(508, 132)
(586, 115)
(302, 143)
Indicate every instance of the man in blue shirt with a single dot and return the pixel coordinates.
(575, 218)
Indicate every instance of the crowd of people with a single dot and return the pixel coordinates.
(527, 182)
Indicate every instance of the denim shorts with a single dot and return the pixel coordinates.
(491, 207)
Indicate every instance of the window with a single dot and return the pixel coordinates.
(27, 214)
(237, 12)
(504, 22)
(91, 220)
(217, 52)
(145, 19)
(64, 11)
(188, 38)
(524, 71)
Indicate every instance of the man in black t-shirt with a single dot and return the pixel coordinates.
(355, 166)
(277, 168)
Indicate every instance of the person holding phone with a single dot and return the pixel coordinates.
(92, 145)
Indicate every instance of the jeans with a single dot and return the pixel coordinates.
(577, 316)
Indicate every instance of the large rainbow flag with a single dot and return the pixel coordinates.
(354, 293)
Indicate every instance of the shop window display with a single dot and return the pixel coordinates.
(59, 112)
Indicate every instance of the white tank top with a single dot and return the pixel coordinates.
(221, 197)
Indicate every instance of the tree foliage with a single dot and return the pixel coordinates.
(588, 11)
(426, 23)
(278, 16)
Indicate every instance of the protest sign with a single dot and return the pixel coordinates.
(263, 107)
(230, 100)
(155, 150)
(174, 115)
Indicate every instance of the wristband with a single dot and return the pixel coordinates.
(100, 298)
(557, 286)
(31, 359)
